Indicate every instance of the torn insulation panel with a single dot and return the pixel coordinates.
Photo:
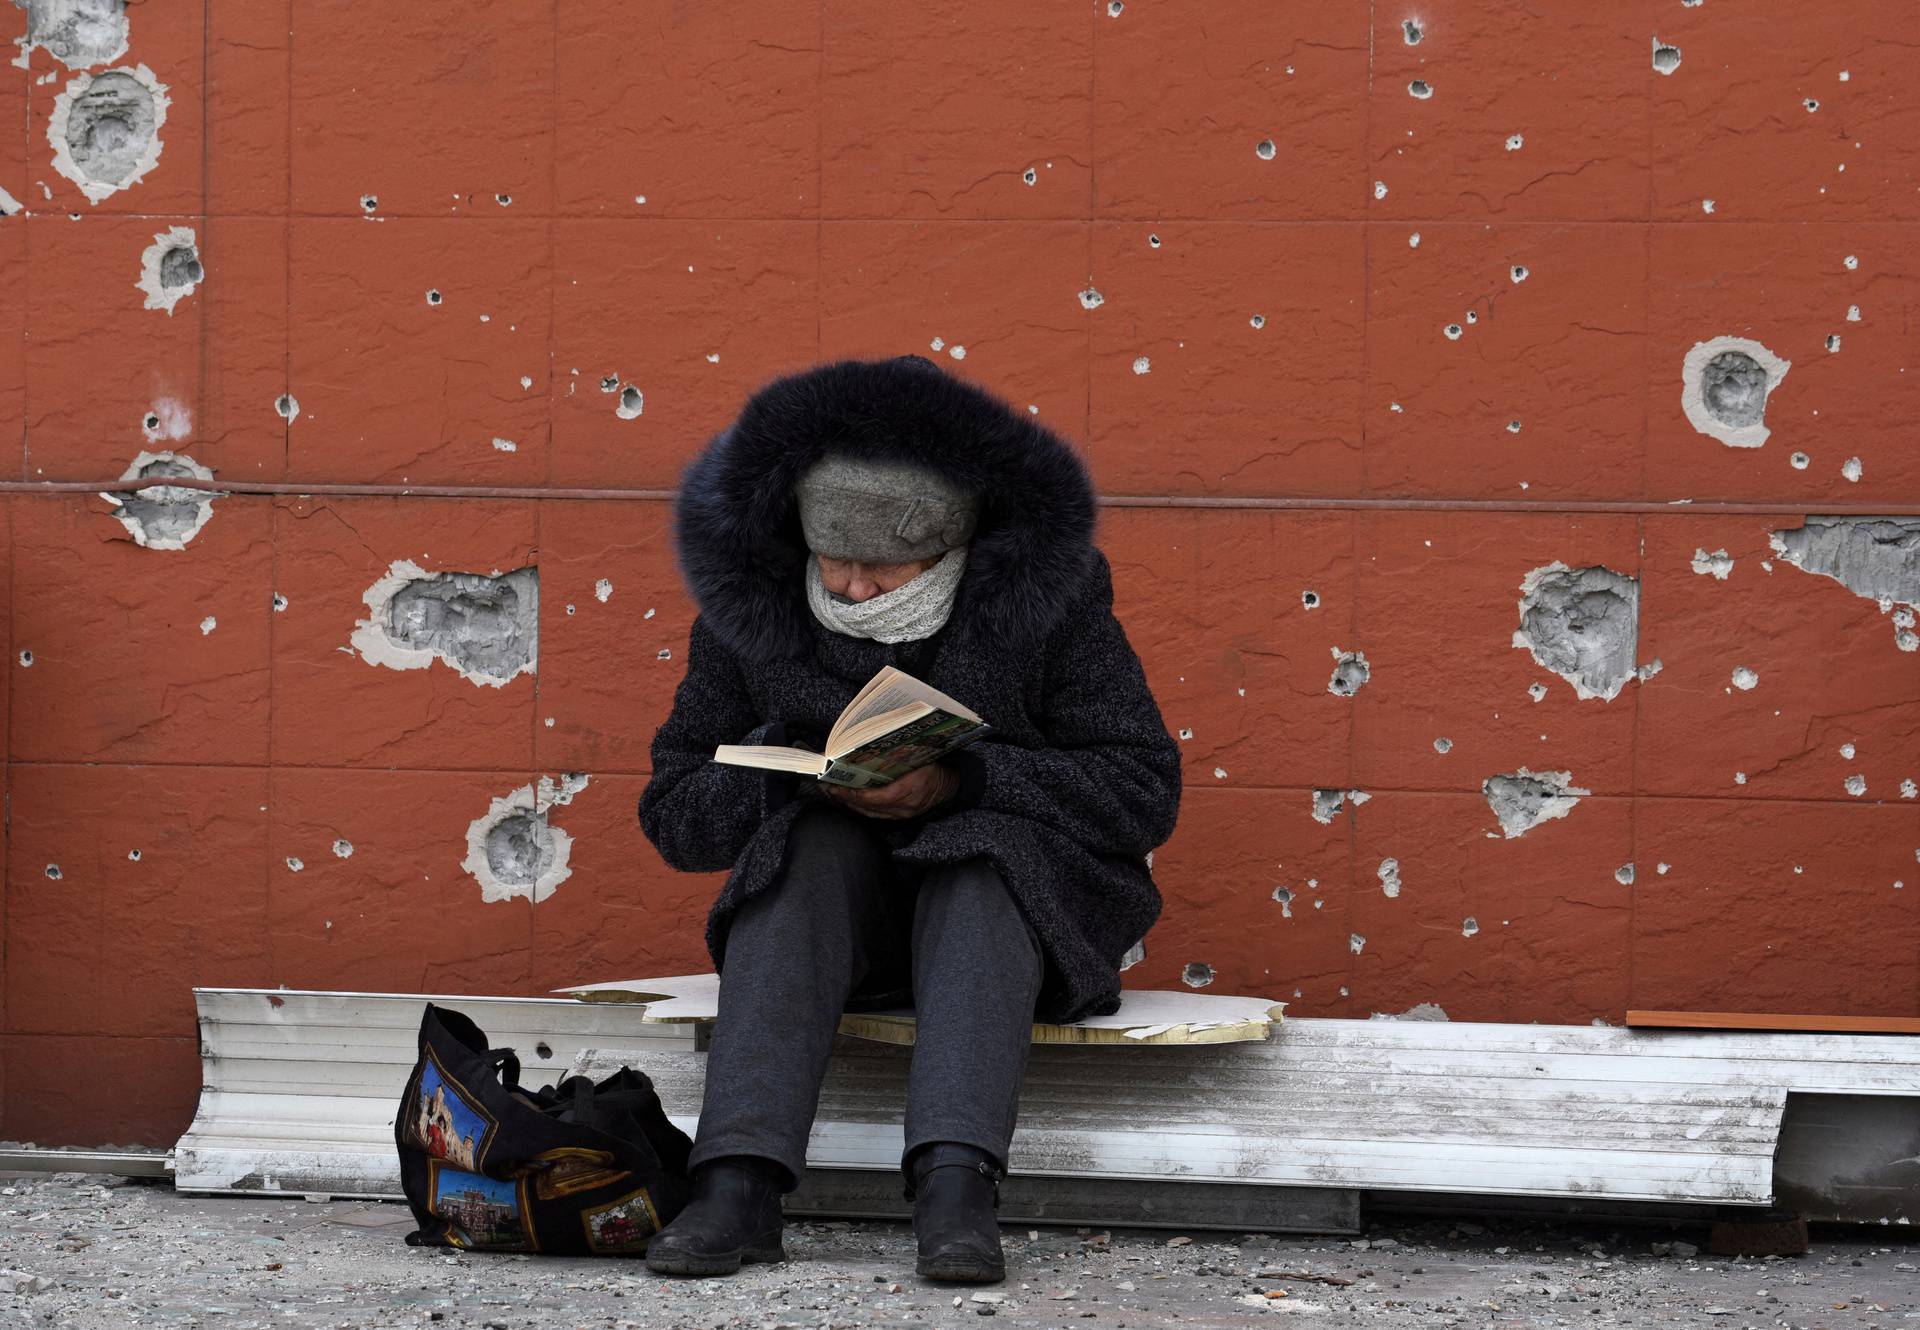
(105, 129)
(1583, 624)
(170, 268)
(77, 33)
(1874, 557)
(1725, 384)
(1523, 799)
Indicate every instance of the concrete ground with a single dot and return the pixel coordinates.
(88, 1251)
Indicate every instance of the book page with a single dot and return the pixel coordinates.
(890, 690)
(769, 758)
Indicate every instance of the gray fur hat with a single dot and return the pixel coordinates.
(882, 511)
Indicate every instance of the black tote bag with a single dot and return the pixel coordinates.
(574, 1169)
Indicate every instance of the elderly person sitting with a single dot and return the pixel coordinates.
(857, 515)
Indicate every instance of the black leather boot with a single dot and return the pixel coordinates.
(734, 1216)
(955, 1190)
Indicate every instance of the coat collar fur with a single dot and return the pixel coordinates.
(737, 526)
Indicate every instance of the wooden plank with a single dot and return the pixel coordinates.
(1753, 1020)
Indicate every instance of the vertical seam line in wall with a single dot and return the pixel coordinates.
(286, 271)
(1093, 212)
(1633, 761)
(1366, 258)
(1353, 518)
(553, 252)
(819, 174)
(201, 308)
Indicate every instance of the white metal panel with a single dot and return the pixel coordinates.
(301, 1090)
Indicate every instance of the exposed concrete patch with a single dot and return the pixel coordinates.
(485, 626)
(1874, 557)
(1717, 564)
(551, 792)
(9, 205)
(1197, 974)
(1666, 57)
(1419, 1011)
(1326, 803)
(1350, 670)
(1583, 624)
(1523, 799)
(164, 517)
(513, 852)
(170, 268)
(105, 129)
(1356, 943)
(1724, 388)
(1389, 873)
(77, 33)
(1624, 875)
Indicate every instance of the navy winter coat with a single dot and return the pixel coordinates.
(1077, 780)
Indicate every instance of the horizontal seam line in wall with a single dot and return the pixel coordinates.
(292, 489)
(512, 215)
(1193, 787)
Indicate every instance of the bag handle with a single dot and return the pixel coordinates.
(507, 1063)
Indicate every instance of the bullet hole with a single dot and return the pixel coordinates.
(1472, 317)
(1852, 262)
(1420, 89)
(1219, 773)
(1833, 342)
(343, 848)
(163, 517)
(503, 199)
(602, 590)
(1812, 105)
(631, 403)
(26, 658)
(610, 383)
(1442, 744)
(77, 33)
(485, 627)
(505, 445)
(1726, 382)
(1583, 624)
(169, 268)
(1525, 799)
(1185, 733)
(1537, 691)
(512, 851)
(1154, 241)
(180, 266)
(1453, 331)
(1030, 175)
(1413, 241)
(207, 625)
(1515, 142)
(369, 202)
(1513, 427)
(1142, 365)
(957, 352)
(570, 609)
(105, 129)
(1285, 897)
(1389, 875)
(1518, 273)
(150, 422)
(1350, 670)
(1799, 461)
(53, 871)
(279, 603)
(1706, 205)
(1310, 599)
(1666, 58)
(664, 653)
(1258, 321)
(1412, 31)
(1851, 469)
(1356, 943)
(286, 407)
(1091, 299)
(433, 296)
(1624, 875)
(1853, 313)
(1856, 785)
(1326, 803)
(1379, 189)
(295, 864)
(1114, 7)
(1469, 926)
(1264, 148)
(1744, 679)
(1718, 565)
(1197, 974)
(1847, 751)
(543, 1050)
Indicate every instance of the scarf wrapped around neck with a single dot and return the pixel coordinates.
(909, 612)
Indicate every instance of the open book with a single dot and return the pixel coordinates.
(893, 725)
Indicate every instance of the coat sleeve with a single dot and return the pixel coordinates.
(697, 812)
(1109, 775)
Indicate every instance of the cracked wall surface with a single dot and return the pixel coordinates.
(1516, 492)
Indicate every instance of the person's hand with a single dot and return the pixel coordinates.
(908, 796)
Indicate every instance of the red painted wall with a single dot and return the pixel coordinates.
(848, 178)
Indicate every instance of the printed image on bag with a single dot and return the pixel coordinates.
(486, 1165)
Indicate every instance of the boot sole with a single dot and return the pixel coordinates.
(711, 1263)
(962, 1270)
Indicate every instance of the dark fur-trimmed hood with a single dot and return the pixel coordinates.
(737, 526)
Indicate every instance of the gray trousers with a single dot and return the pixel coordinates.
(843, 913)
